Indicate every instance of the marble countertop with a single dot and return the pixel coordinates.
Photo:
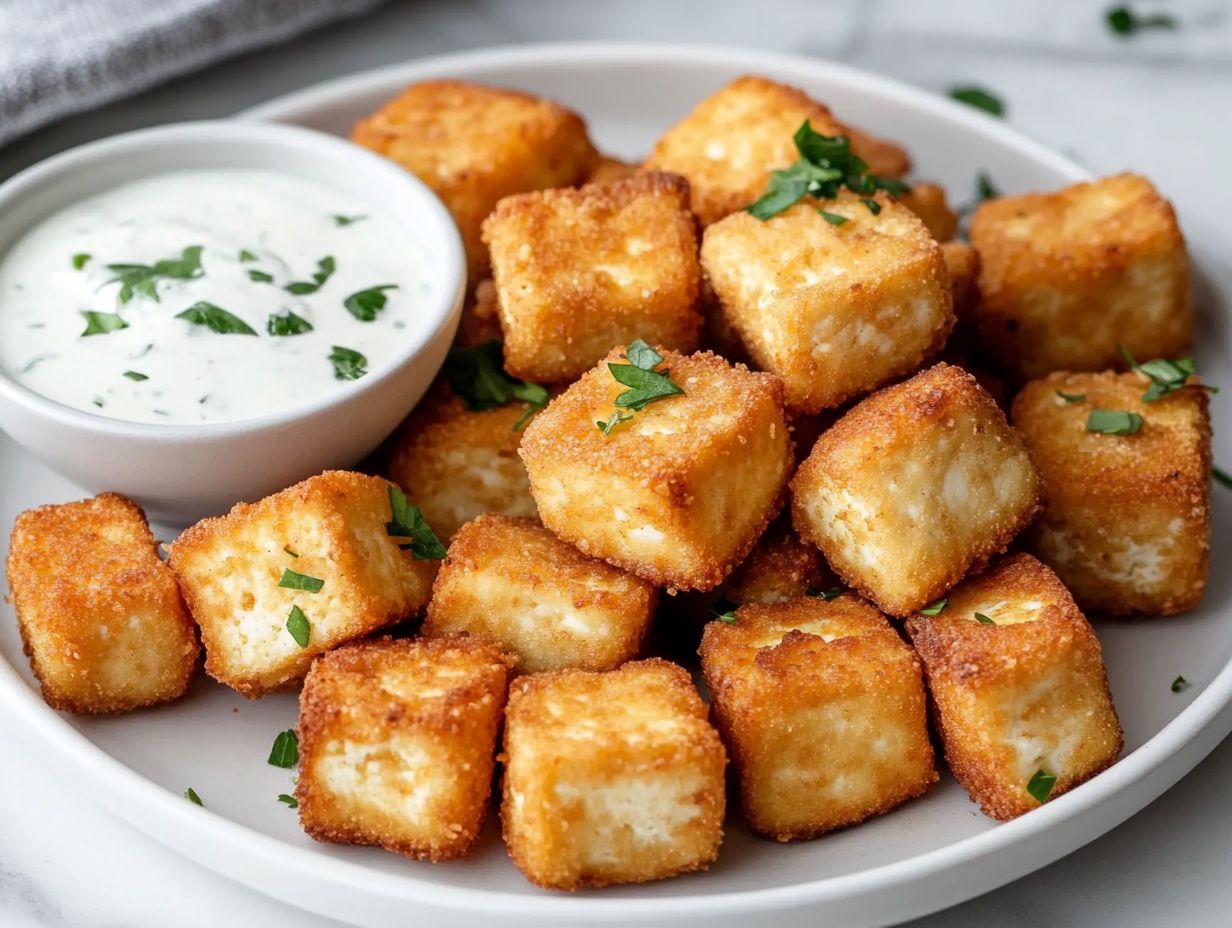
(1158, 104)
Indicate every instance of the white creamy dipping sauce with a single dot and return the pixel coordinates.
(208, 296)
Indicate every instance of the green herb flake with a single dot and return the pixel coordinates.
(134, 375)
(291, 801)
(985, 189)
(287, 324)
(1221, 476)
(293, 581)
(1113, 422)
(983, 619)
(80, 261)
(614, 420)
(724, 611)
(102, 323)
(1180, 683)
(828, 595)
(246, 256)
(934, 608)
(979, 98)
(645, 383)
(1166, 376)
(297, 625)
(873, 206)
(1124, 22)
(191, 795)
(342, 221)
(477, 375)
(365, 304)
(1072, 397)
(1040, 786)
(287, 549)
(325, 269)
(141, 278)
(216, 319)
(260, 277)
(833, 218)
(348, 363)
(285, 752)
(408, 522)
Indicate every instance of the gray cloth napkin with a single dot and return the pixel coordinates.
(63, 56)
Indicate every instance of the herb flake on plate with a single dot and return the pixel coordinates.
(260, 277)
(343, 221)
(136, 376)
(478, 376)
(1179, 684)
(191, 795)
(285, 752)
(80, 261)
(979, 98)
(290, 801)
(1124, 22)
(1040, 786)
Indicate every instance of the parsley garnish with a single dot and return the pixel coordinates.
(834, 218)
(287, 548)
(827, 595)
(79, 261)
(873, 206)
(365, 304)
(216, 319)
(477, 375)
(102, 323)
(1221, 476)
(826, 165)
(133, 375)
(293, 581)
(348, 364)
(1125, 22)
(645, 383)
(285, 753)
(408, 522)
(1040, 786)
(1180, 683)
(291, 801)
(297, 625)
(613, 420)
(979, 98)
(1166, 376)
(1072, 397)
(985, 189)
(287, 324)
(325, 269)
(724, 611)
(935, 607)
(141, 278)
(260, 277)
(1113, 422)
(191, 795)
(347, 220)
(983, 619)
(246, 255)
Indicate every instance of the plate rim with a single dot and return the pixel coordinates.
(1153, 767)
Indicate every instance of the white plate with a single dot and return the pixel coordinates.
(930, 853)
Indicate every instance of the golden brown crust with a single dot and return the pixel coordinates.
(445, 697)
(480, 320)
(927, 201)
(609, 170)
(962, 264)
(99, 613)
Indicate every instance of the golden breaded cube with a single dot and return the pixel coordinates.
(610, 170)
(835, 311)
(928, 202)
(1019, 687)
(962, 264)
(822, 705)
(474, 145)
(913, 487)
(513, 582)
(455, 464)
(480, 322)
(730, 143)
(579, 271)
(1127, 527)
(679, 493)
(99, 613)
(330, 530)
(589, 798)
(1065, 276)
(397, 743)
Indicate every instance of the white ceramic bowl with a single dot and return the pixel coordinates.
(181, 473)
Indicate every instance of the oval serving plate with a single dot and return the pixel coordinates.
(928, 854)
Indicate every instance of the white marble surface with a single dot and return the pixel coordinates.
(1159, 104)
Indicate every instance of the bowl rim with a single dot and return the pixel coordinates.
(432, 215)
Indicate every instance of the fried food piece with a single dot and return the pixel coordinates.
(579, 271)
(1128, 522)
(730, 143)
(717, 333)
(835, 311)
(928, 202)
(589, 799)
(513, 582)
(610, 170)
(330, 529)
(1019, 692)
(100, 615)
(474, 145)
(397, 741)
(455, 464)
(912, 488)
(962, 264)
(1065, 276)
(823, 707)
(480, 321)
(678, 494)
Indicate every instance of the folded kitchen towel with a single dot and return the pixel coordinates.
(63, 56)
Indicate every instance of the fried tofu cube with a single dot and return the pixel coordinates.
(916, 485)
(1019, 686)
(680, 492)
(455, 463)
(835, 311)
(579, 271)
(822, 705)
(313, 562)
(928, 202)
(99, 613)
(962, 264)
(474, 145)
(397, 743)
(589, 799)
(513, 582)
(1065, 276)
(730, 143)
(480, 322)
(1127, 527)
(610, 170)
